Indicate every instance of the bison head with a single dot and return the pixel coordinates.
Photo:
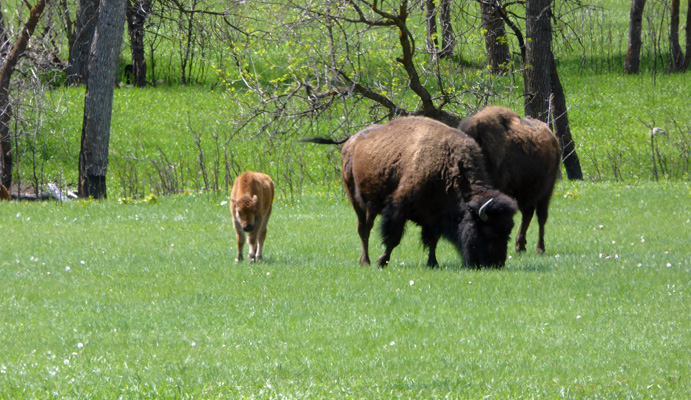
(246, 212)
(485, 229)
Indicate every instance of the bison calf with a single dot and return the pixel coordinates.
(251, 200)
(522, 157)
(4, 193)
(421, 170)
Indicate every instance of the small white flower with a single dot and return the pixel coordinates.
(193, 344)
(67, 362)
(578, 317)
(669, 265)
(82, 262)
(392, 343)
(412, 282)
(67, 268)
(80, 345)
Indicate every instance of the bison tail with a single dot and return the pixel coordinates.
(320, 140)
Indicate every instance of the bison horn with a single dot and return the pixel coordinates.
(482, 213)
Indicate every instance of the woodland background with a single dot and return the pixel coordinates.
(204, 90)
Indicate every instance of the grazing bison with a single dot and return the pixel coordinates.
(421, 170)
(522, 157)
(250, 204)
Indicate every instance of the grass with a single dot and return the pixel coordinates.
(143, 300)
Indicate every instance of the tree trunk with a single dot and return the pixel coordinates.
(6, 72)
(537, 82)
(496, 43)
(687, 58)
(633, 50)
(448, 42)
(77, 68)
(137, 13)
(98, 101)
(562, 129)
(431, 18)
(676, 60)
(544, 94)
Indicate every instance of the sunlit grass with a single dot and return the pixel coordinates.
(103, 300)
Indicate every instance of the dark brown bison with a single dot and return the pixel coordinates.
(421, 170)
(522, 157)
(251, 200)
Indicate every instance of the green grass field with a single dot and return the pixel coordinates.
(142, 300)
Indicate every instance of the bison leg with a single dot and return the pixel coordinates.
(240, 237)
(364, 227)
(253, 245)
(392, 227)
(541, 212)
(526, 217)
(430, 240)
(260, 242)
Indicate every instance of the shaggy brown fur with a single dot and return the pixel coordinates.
(523, 158)
(4, 193)
(251, 200)
(421, 170)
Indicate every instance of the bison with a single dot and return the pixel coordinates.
(418, 169)
(4, 193)
(251, 200)
(522, 157)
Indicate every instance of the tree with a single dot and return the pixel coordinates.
(6, 71)
(678, 62)
(544, 94)
(538, 64)
(431, 19)
(79, 40)
(98, 101)
(496, 43)
(633, 50)
(137, 13)
(448, 42)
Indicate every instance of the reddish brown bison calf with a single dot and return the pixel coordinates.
(251, 200)
(421, 170)
(4, 193)
(522, 157)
